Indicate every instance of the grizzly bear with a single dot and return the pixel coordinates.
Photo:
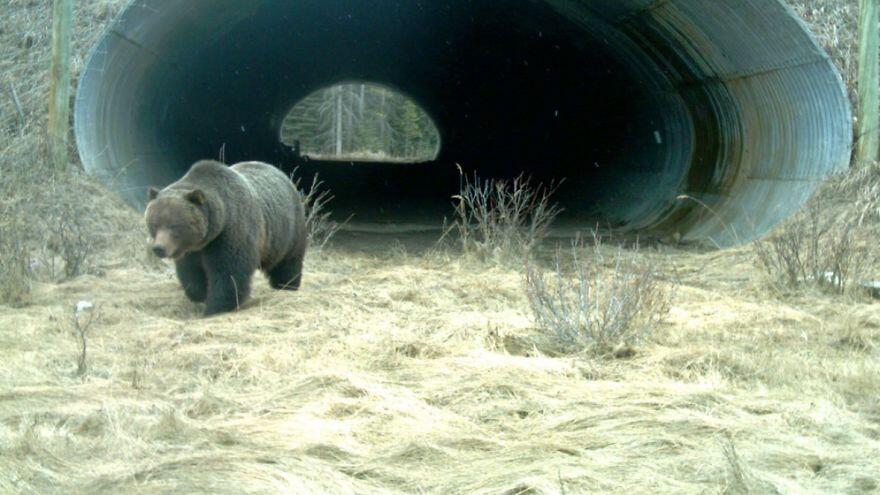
(221, 223)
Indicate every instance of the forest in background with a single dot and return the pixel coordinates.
(361, 121)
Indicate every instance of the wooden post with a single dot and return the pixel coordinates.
(59, 83)
(868, 144)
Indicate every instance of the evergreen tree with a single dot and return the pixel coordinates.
(361, 121)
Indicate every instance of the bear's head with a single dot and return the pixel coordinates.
(177, 221)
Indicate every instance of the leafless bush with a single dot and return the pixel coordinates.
(15, 280)
(816, 247)
(56, 225)
(596, 302)
(84, 315)
(70, 240)
(17, 233)
(502, 219)
(72, 225)
(319, 225)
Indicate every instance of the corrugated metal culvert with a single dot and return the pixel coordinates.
(711, 118)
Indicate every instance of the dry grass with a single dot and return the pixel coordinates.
(419, 374)
(857, 194)
(834, 23)
(24, 61)
(403, 373)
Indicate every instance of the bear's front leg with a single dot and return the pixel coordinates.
(226, 291)
(229, 272)
(192, 277)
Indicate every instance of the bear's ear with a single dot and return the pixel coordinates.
(152, 193)
(196, 196)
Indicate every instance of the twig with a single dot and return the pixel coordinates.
(235, 286)
(319, 226)
(82, 329)
(719, 217)
(17, 103)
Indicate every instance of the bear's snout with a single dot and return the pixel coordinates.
(165, 245)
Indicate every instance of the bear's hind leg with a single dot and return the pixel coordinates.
(287, 275)
(192, 277)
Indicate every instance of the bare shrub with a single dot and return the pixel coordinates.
(597, 302)
(72, 229)
(817, 247)
(84, 315)
(502, 220)
(319, 225)
(70, 240)
(17, 233)
(56, 225)
(14, 264)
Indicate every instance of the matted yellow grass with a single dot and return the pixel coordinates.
(422, 373)
(395, 373)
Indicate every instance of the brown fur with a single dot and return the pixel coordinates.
(222, 223)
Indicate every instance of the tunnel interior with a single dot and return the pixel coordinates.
(663, 115)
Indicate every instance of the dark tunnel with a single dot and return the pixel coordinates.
(713, 119)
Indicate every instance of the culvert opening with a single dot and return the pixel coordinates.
(360, 122)
(635, 103)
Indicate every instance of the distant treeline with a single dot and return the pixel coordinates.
(361, 121)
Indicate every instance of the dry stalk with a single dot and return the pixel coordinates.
(84, 315)
(17, 103)
(14, 264)
(320, 227)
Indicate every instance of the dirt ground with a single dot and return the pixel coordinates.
(401, 369)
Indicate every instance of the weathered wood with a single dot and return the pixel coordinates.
(59, 83)
(868, 145)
